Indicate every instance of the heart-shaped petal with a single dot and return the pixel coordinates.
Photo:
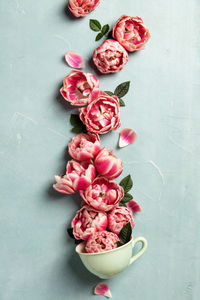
(74, 60)
(102, 289)
(127, 137)
(134, 206)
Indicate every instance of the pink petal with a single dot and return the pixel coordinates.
(127, 137)
(134, 206)
(74, 60)
(102, 289)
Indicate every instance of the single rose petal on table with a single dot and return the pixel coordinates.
(102, 289)
(127, 137)
(74, 60)
(134, 206)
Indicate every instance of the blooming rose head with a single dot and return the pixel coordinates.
(103, 194)
(78, 87)
(102, 114)
(87, 221)
(110, 57)
(80, 8)
(78, 177)
(107, 164)
(101, 241)
(118, 217)
(84, 147)
(131, 33)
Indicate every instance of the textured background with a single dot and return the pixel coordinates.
(37, 258)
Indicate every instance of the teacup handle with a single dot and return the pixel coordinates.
(144, 246)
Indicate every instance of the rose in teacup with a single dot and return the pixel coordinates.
(118, 217)
(80, 8)
(131, 33)
(78, 177)
(102, 114)
(84, 147)
(78, 87)
(107, 164)
(101, 241)
(87, 221)
(110, 57)
(103, 194)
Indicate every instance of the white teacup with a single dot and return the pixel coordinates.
(111, 263)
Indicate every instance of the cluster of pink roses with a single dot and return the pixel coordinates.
(91, 172)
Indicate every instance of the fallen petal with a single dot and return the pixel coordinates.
(102, 289)
(127, 137)
(134, 206)
(74, 60)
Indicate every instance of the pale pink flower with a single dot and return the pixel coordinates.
(118, 217)
(101, 241)
(103, 194)
(74, 60)
(102, 289)
(78, 177)
(107, 164)
(102, 114)
(110, 57)
(134, 206)
(80, 8)
(84, 146)
(127, 137)
(131, 33)
(87, 221)
(78, 88)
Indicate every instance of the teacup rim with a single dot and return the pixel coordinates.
(101, 253)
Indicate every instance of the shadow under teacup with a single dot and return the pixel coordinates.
(111, 263)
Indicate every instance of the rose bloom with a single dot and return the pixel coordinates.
(78, 86)
(131, 33)
(84, 147)
(102, 114)
(87, 221)
(101, 241)
(103, 194)
(110, 57)
(78, 177)
(118, 218)
(107, 164)
(80, 8)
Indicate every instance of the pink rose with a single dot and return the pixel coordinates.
(78, 177)
(78, 87)
(84, 147)
(110, 57)
(103, 194)
(80, 8)
(131, 33)
(101, 241)
(118, 218)
(87, 221)
(102, 114)
(107, 164)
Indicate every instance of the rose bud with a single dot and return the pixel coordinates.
(103, 194)
(78, 87)
(101, 241)
(80, 8)
(102, 114)
(118, 217)
(84, 147)
(110, 57)
(131, 33)
(78, 177)
(107, 164)
(87, 221)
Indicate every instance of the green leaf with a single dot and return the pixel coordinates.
(99, 36)
(126, 183)
(76, 242)
(122, 204)
(125, 233)
(105, 29)
(70, 232)
(119, 244)
(77, 124)
(122, 89)
(75, 120)
(109, 93)
(95, 25)
(127, 198)
(77, 129)
(121, 102)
